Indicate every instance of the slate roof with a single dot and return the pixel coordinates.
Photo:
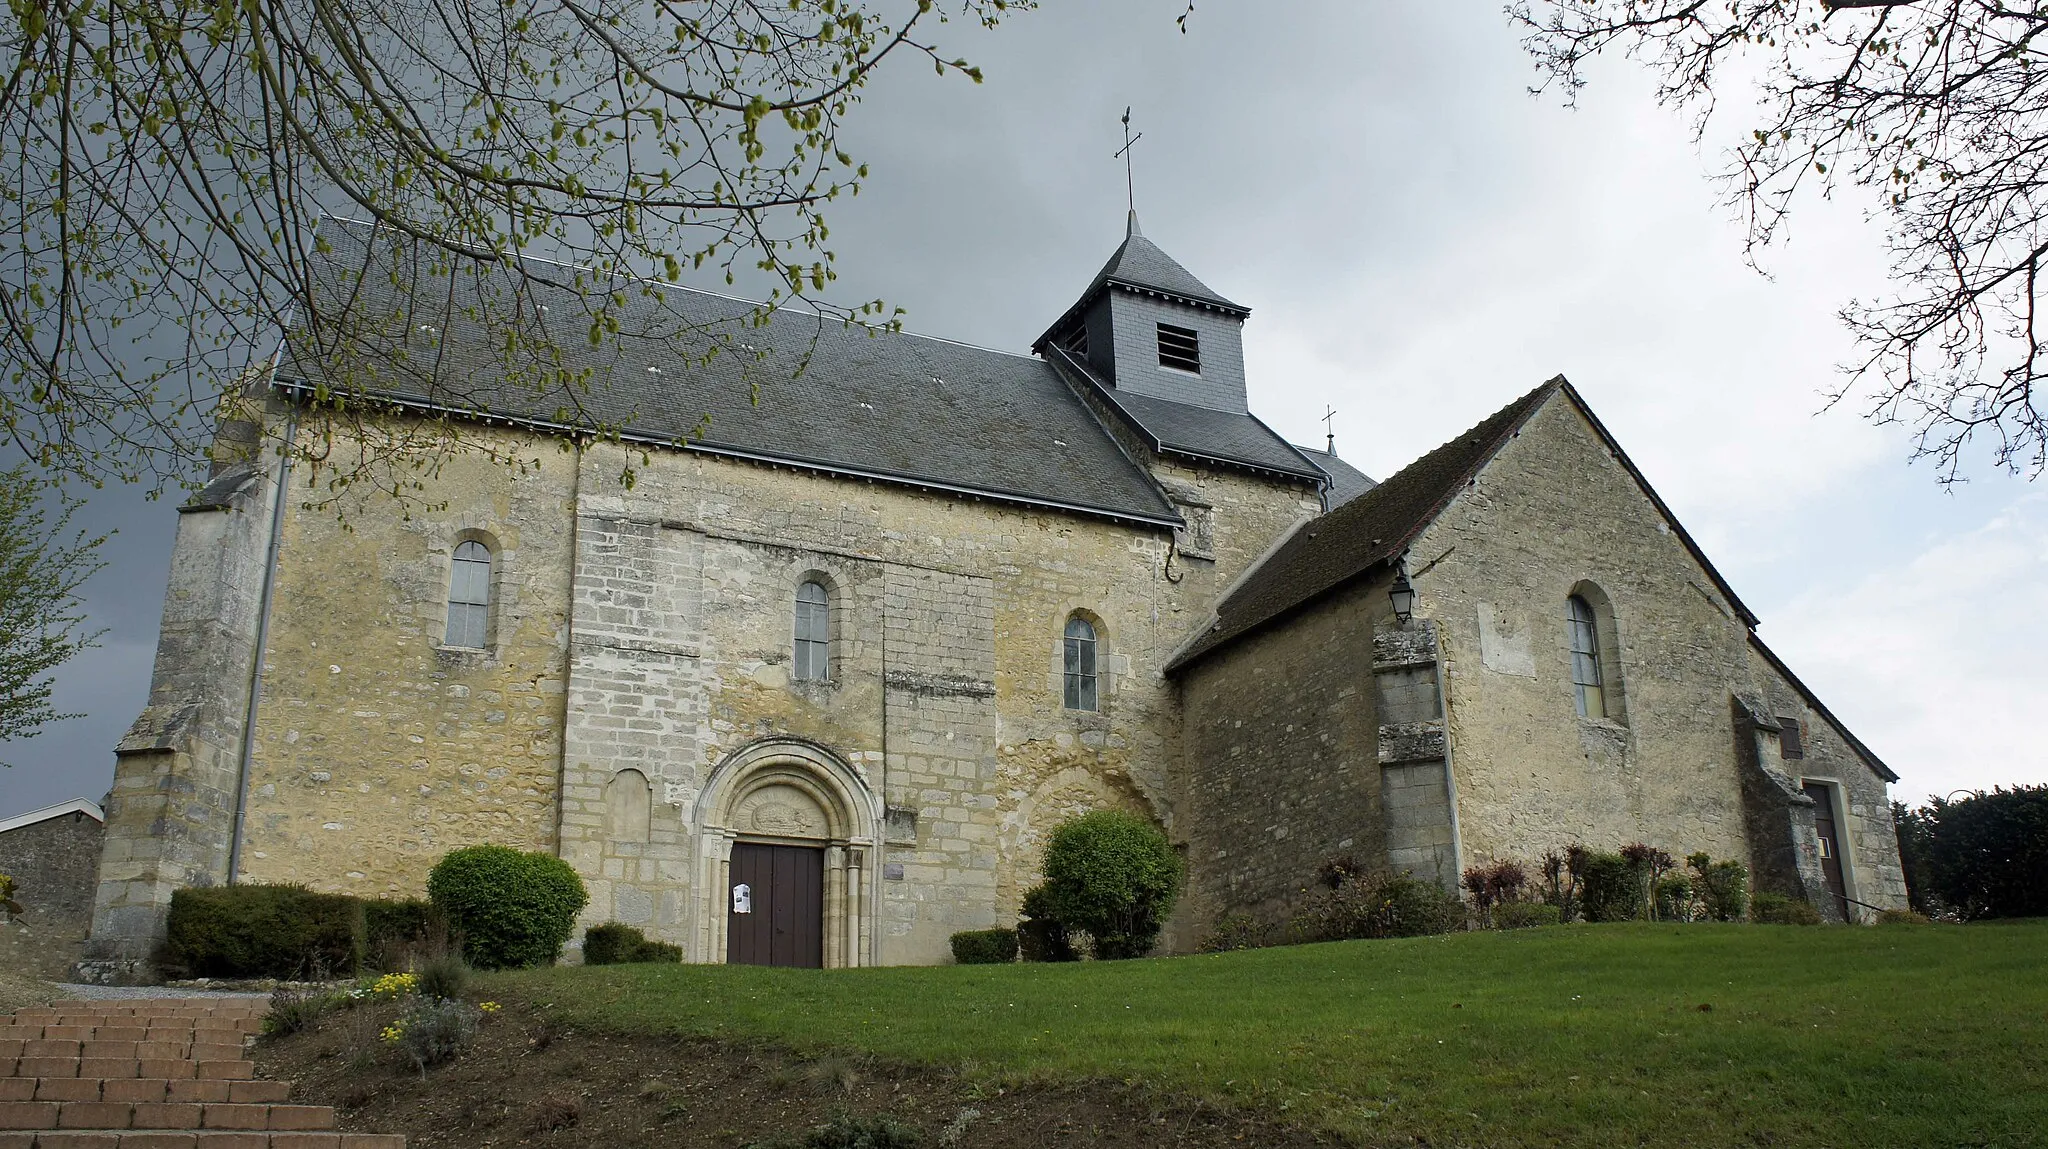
(1202, 432)
(1371, 529)
(896, 406)
(1346, 481)
(1141, 264)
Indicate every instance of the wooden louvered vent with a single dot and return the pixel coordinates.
(1180, 348)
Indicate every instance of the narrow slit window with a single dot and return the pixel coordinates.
(1080, 664)
(813, 634)
(1180, 348)
(469, 596)
(1586, 679)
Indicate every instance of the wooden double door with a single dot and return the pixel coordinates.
(775, 906)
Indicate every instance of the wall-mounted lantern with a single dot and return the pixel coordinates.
(1403, 597)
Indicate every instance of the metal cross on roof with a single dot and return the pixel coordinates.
(1124, 153)
(1329, 430)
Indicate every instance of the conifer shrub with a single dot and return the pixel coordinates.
(1609, 889)
(1780, 910)
(268, 931)
(511, 909)
(1675, 902)
(615, 943)
(985, 947)
(1114, 875)
(1040, 935)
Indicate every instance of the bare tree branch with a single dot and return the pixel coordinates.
(1937, 109)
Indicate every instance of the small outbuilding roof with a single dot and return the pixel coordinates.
(86, 806)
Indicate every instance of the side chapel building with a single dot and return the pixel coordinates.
(859, 647)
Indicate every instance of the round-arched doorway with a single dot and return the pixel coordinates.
(787, 829)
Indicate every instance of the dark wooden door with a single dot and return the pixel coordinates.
(785, 903)
(1830, 843)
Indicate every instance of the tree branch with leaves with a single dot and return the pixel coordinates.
(170, 163)
(1937, 110)
(42, 619)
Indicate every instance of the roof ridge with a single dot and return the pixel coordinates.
(525, 256)
(1410, 499)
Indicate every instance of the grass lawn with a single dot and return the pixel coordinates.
(1584, 1035)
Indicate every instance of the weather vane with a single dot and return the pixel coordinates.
(1124, 153)
(1329, 429)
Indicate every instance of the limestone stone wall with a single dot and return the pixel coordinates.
(1556, 514)
(1282, 767)
(171, 809)
(379, 747)
(640, 648)
(1871, 870)
(53, 863)
(1551, 515)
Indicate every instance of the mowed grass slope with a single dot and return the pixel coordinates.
(1584, 1035)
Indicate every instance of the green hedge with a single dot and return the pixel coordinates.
(1610, 890)
(1779, 910)
(285, 932)
(1523, 915)
(511, 909)
(615, 943)
(985, 947)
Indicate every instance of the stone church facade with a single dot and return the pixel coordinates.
(859, 647)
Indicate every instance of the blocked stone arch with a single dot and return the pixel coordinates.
(1614, 682)
(629, 802)
(1069, 793)
(791, 791)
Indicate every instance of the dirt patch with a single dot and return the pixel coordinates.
(527, 1083)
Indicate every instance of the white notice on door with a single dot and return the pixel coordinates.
(742, 899)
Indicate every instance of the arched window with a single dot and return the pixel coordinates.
(1586, 678)
(1080, 664)
(469, 596)
(813, 633)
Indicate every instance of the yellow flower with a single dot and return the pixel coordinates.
(488, 1006)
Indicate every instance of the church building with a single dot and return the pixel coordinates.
(807, 681)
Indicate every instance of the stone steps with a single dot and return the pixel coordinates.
(169, 1074)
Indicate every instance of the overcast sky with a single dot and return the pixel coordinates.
(1420, 241)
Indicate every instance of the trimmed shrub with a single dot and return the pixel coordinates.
(511, 909)
(1779, 910)
(1609, 890)
(1723, 888)
(1114, 875)
(286, 932)
(1040, 935)
(1236, 932)
(615, 943)
(1383, 905)
(1525, 915)
(985, 947)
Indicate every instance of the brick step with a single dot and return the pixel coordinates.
(208, 1035)
(193, 1139)
(78, 1026)
(174, 1068)
(163, 1115)
(126, 1050)
(140, 1089)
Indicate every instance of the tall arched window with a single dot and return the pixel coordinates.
(1586, 678)
(1080, 664)
(813, 633)
(469, 596)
